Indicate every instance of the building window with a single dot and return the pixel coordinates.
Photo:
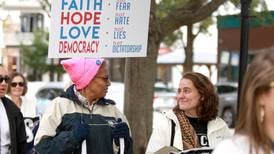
(31, 22)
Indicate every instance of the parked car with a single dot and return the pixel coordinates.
(227, 92)
(164, 97)
(44, 92)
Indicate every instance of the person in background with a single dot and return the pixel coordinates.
(81, 120)
(17, 89)
(193, 123)
(254, 131)
(12, 128)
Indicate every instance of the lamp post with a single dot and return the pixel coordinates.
(245, 5)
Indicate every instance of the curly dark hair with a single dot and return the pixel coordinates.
(208, 108)
(12, 76)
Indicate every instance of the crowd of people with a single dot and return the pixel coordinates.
(82, 120)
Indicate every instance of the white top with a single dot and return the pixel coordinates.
(28, 107)
(4, 130)
(217, 130)
(238, 144)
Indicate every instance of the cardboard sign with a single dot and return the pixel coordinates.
(99, 28)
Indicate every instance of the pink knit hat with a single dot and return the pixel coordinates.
(82, 70)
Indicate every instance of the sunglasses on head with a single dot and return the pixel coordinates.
(14, 84)
(4, 78)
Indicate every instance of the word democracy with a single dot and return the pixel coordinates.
(78, 46)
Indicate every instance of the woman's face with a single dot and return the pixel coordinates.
(188, 97)
(17, 86)
(98, 87)
(267, 101)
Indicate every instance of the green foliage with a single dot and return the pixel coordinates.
(171, 38)
(254, 3)
(203, 25)
(34, 57)
(164, 7)
(237, 3)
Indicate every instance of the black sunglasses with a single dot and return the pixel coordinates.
(14, 84)
(4, 78)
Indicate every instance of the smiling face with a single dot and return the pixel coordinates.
(188, 97)
(98, 86)
(17, 86)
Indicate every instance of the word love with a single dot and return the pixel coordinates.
(80, 31)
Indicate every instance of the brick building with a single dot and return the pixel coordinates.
(261, 38)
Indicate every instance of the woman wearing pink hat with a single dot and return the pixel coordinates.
(81, 120)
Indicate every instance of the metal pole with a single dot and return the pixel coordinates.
(245, 4)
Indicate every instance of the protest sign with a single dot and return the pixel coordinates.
(99, 28)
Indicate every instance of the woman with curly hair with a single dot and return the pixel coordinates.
(193, 123)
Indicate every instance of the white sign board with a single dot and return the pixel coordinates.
(99, 28)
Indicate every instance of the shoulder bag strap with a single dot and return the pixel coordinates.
(172, 132)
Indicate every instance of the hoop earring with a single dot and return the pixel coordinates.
(262, 115)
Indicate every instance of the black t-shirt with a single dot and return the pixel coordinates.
(201, 130)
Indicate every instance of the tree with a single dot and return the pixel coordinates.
(170, 39)
(140, 73)
(200, 27)
(34, 57)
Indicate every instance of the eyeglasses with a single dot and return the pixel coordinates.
(184, 91)
(20, 84)
(4, 78)
(106, 79)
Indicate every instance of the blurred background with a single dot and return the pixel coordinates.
(210, 46)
